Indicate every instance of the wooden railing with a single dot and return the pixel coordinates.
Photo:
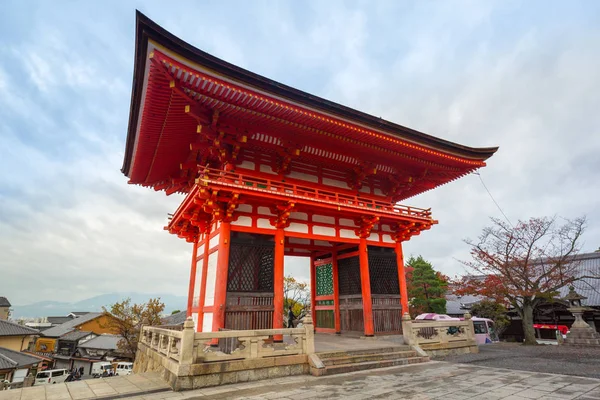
(439, 335)
(187, 347)
(302, 192)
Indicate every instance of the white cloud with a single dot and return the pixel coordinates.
(70, 226)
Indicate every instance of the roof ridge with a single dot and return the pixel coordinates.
(10, 360)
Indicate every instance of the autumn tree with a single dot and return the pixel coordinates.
(523, 265)
(296, 295)
(426, 287)
(126, 319)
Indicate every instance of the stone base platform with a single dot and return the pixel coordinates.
(583, 336)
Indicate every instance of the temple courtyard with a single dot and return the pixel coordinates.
(433, 380)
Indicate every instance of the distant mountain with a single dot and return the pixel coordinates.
(57, 308)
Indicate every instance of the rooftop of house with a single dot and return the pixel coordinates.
(12, 329)
(75, 335)
(10, 359)
(4, 302)
(58, 320)
(458, 305)
(175, 319)
(59, 330)
(102, 342)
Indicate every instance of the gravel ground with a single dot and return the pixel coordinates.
(579, 361)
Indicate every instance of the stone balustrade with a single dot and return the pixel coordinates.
(440, 337)
(189, 359)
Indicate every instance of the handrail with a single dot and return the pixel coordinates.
(258, 184)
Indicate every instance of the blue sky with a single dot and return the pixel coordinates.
(521, 75)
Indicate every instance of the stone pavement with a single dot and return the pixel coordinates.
(434, 380)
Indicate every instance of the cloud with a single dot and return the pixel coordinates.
(480, 73)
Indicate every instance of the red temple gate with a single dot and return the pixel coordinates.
(270, 171)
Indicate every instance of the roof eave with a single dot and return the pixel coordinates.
(147, 29)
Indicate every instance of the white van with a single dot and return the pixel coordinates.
(101, 368)
(124, 368)
(51, 376)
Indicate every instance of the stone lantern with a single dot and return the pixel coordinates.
(581, 333)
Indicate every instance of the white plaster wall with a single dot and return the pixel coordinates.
(195, 319)
(374, 237)
(247, 164)
(207, 322)
(242, 221)
(323, 230)
(266, 169)
(245, 208)
(214, 241)
(378, 192)
(347, 222)
(296, 227)
(264, 211)
(304, 177)
(324, 219)
(387, 239)
(348, 234)
(264, 224)
(335, 182)
(299, 215)
(211, 279)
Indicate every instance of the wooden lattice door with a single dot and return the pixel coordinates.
(324, 299)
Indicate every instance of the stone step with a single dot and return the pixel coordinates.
(361, 352)
(361, 366)
(358, 358)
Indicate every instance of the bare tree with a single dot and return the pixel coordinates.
(296, 295)
(524, 264)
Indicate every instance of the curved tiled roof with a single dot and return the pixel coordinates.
(12, 329)
(10, 359)
(4, 302)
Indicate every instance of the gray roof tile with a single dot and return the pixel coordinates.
(12, 329)
(103, 342)
(4, 302)
(75, 335)
(175, 319)
(13, 359)
(59, 330)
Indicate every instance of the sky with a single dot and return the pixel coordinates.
(524, 76)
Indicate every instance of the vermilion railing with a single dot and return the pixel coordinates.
(274, 187)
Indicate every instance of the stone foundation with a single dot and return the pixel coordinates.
(201, 375)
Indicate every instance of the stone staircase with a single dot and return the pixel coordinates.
(339, 362)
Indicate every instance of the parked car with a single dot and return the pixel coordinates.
(51, 376)
(102, 368)
(124, 368)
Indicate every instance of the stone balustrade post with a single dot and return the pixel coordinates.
(407, 329)
(470, 328)
(186, 350)
(309, 331)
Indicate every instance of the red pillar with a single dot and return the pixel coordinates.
(313, 289)
(221, 278)
(192, 280)
(402, 277)
(365, 282)
(336, 293)
(278, 282)
(203, 282)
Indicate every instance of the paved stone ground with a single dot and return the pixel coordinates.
(434, 380)
(579, 361)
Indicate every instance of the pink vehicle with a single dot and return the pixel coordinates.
(484, 328)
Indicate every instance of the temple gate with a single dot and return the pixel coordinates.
(268, 171)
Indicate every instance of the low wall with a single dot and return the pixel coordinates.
(440, 338)
(187, 360)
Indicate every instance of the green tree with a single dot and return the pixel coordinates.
(296, 295)
(426, 287)
(126, 319)
(175, 312)
(494, 311)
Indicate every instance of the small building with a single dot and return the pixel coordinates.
(16, 365)
(4, 308)
(100, 348)
(457, 306)
(94, 322)
(16, 337)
